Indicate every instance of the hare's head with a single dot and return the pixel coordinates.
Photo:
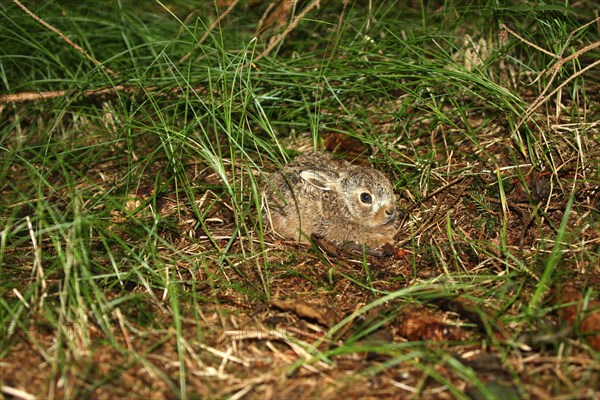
(367, 193)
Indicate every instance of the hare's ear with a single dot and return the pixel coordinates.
(319, 179)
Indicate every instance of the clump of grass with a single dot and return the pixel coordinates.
(132, 243)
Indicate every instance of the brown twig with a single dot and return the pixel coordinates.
(527, 42)
(434, 218)
(31, 96)
(539, 101)
(441, 189)
(66, 39)
(53, 94)
(261, 22)
(291, 27)
(341, 18)
(209, 30)
(278, 15)
(543, 98)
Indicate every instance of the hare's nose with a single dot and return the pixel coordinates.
(390, 213)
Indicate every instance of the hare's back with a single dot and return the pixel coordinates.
(316, 161)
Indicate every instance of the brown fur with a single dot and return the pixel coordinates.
(315, 194)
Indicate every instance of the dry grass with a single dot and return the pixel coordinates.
(135, 264)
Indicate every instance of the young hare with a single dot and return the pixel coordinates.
(333, 199)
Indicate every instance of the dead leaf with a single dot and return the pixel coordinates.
(423, 324)
(346, 145)
(400, 252)
(474, 313)
(302, 309)
(536, 187)
(497, 389)
(277, 14)
(585, 321)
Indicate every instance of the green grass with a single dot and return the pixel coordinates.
(133, 257)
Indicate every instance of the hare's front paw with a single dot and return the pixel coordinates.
(384, 235)
(378, 241)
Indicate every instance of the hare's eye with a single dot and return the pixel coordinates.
(366, 198)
